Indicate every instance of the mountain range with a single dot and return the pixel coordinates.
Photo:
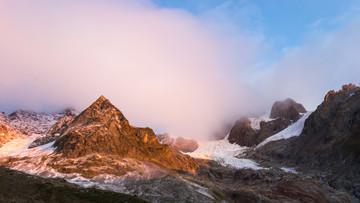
(290, 155)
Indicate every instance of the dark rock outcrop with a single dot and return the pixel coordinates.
(244, 135)
(104, 130)
(329, 142)
(287, 109)
(283, 114)
(332, 132)
(179, 143)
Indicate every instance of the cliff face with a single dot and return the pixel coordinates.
(7, 132)
(283, 113)
(104, 130)
(287, 109)
(332, 132)
(328, 144)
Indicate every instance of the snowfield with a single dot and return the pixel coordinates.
(223, 152)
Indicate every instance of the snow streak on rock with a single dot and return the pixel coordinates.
(293, 130)
(255, 122)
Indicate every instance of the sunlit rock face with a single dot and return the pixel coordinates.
(54, 132)
(7, 132)
(104, 130)
(287, 109)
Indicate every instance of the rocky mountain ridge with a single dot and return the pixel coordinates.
(283, 113)
(100, 144)
(30, 123)
(329, 143)
(103, 129)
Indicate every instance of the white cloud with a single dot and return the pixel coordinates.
(164, 68)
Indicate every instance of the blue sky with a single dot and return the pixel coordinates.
(283, 23)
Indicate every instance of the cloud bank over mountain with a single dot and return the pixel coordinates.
(166, 68)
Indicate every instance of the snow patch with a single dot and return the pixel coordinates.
(223, 152)
(289, 170)
(293, 130)
(255, 122)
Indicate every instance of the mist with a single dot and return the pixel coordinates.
(163, 68)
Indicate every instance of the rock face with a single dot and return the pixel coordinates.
(332, 132)
(179, 143)
(104, 130)
(329, 142)
(287, 109)
(7, 132)
(244, 135)
(283, 114)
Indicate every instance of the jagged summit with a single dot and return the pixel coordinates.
(102, 99)
(287, 109)
(103, 129)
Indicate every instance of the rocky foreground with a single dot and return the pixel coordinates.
(16, 186)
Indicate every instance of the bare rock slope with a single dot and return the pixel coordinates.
(329, 142)
(283, 113)
(7, 132)
(287, 109)
(103, 129)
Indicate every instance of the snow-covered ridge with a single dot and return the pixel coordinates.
(31, 123)
(294, 129)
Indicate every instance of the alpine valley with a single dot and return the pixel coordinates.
(288, 155)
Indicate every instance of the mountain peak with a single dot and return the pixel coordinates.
(103, 105)
(101, 99)
(103, 129)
